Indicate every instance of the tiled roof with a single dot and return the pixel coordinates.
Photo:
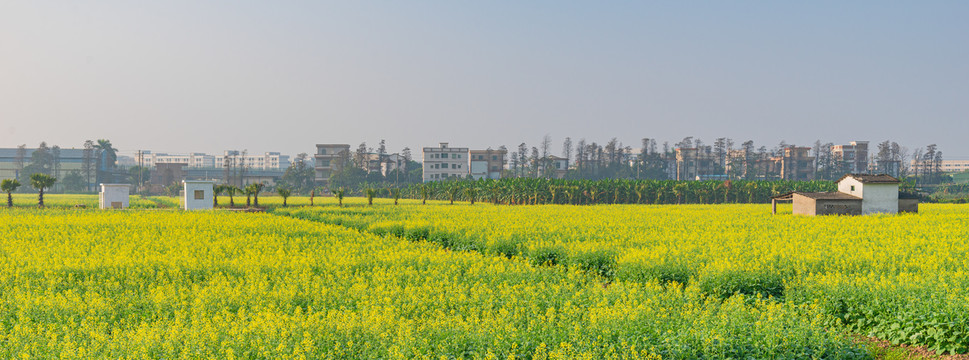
(829, 196)
(872, 179)
(817, 196)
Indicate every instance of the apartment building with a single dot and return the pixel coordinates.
(392, 162)
(488, 164)
(854, 156)
(266, 161)
(444, 162)
(328, 159)
(693, 163)
(557, 166)
(196, 160)
(949, 166)
(796, 163)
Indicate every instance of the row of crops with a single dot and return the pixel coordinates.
(899, 278)
(611, 191)
(128, 284)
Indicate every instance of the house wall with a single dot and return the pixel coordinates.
(876, 198)
(880, 198)
(441, 163)
(839, 207)
(113, 196)
(908, 205)
(845, 185)
(479, 169)
(189, 200)
(804, 205)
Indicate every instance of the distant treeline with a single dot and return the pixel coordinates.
(530, 191)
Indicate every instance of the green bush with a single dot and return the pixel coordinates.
(664, 273)
(506, 247)
(601, 262)
(726, 283)
(549, 255)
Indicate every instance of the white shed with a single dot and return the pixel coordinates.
(198, 194)
(114, 196)
(878, 193)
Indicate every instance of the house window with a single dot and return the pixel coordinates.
(199, 194)
(494, 157)
(325, 163)
(322, 151)
(852, 188)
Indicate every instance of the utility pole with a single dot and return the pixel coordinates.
(141, 170)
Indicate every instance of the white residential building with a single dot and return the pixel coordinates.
(266, 161)
(269, 160)
(197, 160)
(445, 162)
(949, 166)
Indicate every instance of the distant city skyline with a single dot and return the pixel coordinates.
(183, 76)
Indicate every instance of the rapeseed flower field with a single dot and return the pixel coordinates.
(478, 282)
(902, 278)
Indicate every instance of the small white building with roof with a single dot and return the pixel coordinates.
(858, 194)
(198, 194)
(114, 196)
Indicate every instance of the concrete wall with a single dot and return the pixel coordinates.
(876, 198)
(197, 195)
(113, 196)
(880, 198)
(839, 207)
(845, 185)
(804, 205)
(908, 205)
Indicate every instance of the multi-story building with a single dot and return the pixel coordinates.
(949, 166)
(445, 162)
(392, 162)
(796, 163)
(558, 167)
(266, 161)
(329, 158)
(198, 160)
(854, 156)
(487, 164)
(14, 161)
(695, 163)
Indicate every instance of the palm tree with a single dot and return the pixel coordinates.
(248, 190)
(451, 189)
(216, 190)
(253, 190)
(104, 149)
(371, 192)
(425, 193)
(396, 194)
(9, 186)
(232, 190)
(40, 182)
(679, 190)
(339, 195)
(471, 193)
(255, 195)
(284, 193)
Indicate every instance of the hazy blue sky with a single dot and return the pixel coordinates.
(183, 76)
